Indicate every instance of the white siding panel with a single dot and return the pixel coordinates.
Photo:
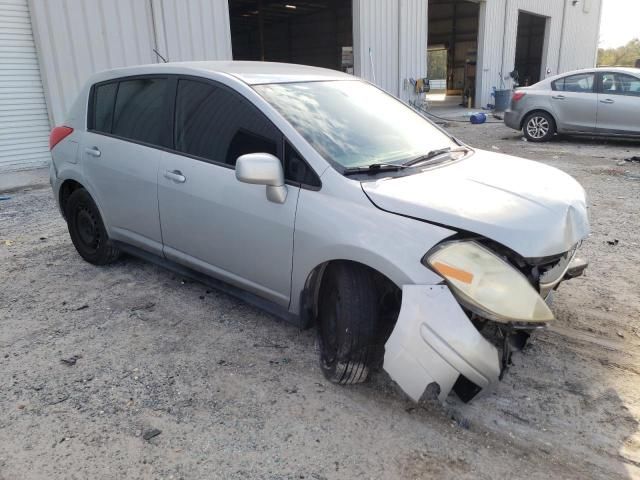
(390, 42)
(77, 38)
(580, 36)
(24, 124)
(413, 44)
(571, 43)
(376, 42)
(193, 30)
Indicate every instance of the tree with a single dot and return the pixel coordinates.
(437, 64)
(624, 56)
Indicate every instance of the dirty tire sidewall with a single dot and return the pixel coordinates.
(87, 230)
(347, 320)
(539, 127)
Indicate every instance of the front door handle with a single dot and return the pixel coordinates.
(175, 175)
(93, 151)
(608, 100)
(558, 97)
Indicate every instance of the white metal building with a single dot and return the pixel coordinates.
(48, 48)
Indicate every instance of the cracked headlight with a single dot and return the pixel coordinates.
(486, 284)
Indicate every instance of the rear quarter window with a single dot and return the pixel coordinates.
(104, 99)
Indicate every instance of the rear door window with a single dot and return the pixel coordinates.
(216, 124)
(620, 84)
(104, 99)
(141, 111)
(580, 83)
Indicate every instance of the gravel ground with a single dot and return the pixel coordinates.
(94, 361)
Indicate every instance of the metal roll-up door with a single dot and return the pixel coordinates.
(24, 123)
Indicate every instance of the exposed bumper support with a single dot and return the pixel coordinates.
(576, 268)
(434, 341)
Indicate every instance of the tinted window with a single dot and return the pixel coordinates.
(104, 101)
(620, 84)
(582, 83)
(297, 170)
(217, 124)
(140, 112)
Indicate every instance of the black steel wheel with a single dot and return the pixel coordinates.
(87, 229)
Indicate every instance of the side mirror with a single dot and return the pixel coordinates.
(263, 169)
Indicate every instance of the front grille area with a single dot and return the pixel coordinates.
(543, 273)
(554, 271)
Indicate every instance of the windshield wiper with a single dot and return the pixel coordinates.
(373, 168)
(433, 154)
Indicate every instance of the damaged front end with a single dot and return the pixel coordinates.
(460, 334)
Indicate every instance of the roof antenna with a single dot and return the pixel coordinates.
(158, 54)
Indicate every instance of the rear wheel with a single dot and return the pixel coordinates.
(539, 127)
(87, 229)
(347, 321)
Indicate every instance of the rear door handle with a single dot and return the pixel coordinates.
(558, 97)
(608, 100)
(175, 175)
(93, 151)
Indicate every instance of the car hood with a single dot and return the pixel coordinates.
(531, 208)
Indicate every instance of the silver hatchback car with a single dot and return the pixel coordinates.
(600, 101)
(328, 202)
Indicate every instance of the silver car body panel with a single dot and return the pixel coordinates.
(434, 341)
(205, 225)
(386, 224)
(533, 209)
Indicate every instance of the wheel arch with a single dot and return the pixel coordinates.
(540, 110)
(67, 187)
(309, 295)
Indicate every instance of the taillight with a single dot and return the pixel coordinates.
(58, 134)
(517, 96)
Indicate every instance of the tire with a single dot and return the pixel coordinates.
(87, 229)
(539, 127)
(347, 321)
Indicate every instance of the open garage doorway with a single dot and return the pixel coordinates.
(530, 48)
(453, 27)
(314, 32)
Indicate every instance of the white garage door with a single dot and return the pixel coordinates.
(24, 124)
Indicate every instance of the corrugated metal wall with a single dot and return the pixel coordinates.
(413, 44)
(76, 38)
(192, 30)
(578, 43)
(390, 42)
(580, 35)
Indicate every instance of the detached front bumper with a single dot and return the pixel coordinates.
(434, 341)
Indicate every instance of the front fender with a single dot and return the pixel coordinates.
(435, 342)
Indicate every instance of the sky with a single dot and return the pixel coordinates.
(620, 22)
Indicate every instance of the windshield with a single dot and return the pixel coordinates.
(354, 124)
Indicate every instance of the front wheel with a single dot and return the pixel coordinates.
(87, 229)
(347, 320)
(539, 127)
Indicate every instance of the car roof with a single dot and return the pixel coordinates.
(251, 73)
(630, 70)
